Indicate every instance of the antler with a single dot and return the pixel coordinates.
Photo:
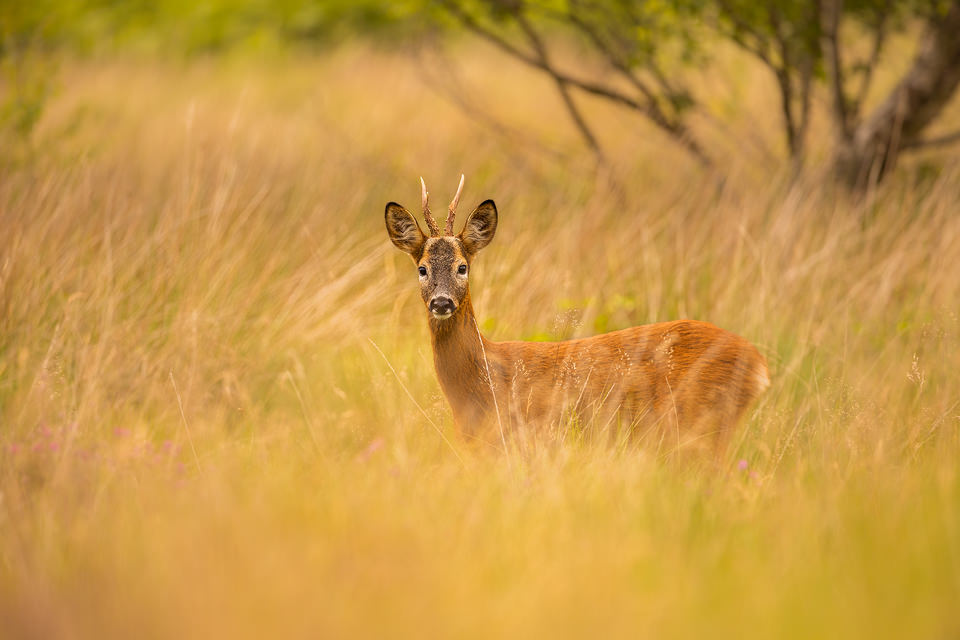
(453, 207)
(425, 196)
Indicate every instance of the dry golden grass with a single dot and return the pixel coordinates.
(201, 438)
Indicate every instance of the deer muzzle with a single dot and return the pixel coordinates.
(442, 307)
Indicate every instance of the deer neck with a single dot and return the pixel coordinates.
(459, 356)
(457, 338)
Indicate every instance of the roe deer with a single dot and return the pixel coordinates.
(689, 378)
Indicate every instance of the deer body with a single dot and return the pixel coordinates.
(686, 377)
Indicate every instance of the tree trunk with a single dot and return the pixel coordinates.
(871, 149)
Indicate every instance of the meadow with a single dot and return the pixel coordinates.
(218, 410)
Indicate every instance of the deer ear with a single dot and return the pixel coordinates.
(403, 230)
(480, 227)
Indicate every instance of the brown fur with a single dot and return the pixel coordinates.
(680, 380)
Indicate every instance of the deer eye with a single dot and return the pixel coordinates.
(423, 271)
(462, 269)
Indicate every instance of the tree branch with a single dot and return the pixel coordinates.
(866, 78)
(831, 10)
(560, 78)
(572, 109)
(786, 102)
(618, 62)
(590, 87)
(785, 82)
(612, 59)
(939, 141)
(443, 78)
(654, 112)
(794, 132)
(760, 50)
(806, 81)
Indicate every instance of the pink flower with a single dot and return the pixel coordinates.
(370, 450)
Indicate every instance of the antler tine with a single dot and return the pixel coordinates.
(425, 196)
(453, 207)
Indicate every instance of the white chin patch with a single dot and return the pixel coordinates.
(441, 316)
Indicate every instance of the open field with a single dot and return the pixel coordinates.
(219, 417)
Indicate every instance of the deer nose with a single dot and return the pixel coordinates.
(442, 306)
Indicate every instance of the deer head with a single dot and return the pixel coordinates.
(443, 260)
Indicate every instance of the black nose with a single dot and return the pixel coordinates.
(442, 305)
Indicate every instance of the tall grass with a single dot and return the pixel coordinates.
(220, 418)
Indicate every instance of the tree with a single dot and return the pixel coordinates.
(868, 146)
(800, 42)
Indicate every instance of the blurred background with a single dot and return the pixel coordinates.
(218, 410)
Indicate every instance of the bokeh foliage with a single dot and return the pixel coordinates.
(35, 34)
(831, 48)
(180, 26)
